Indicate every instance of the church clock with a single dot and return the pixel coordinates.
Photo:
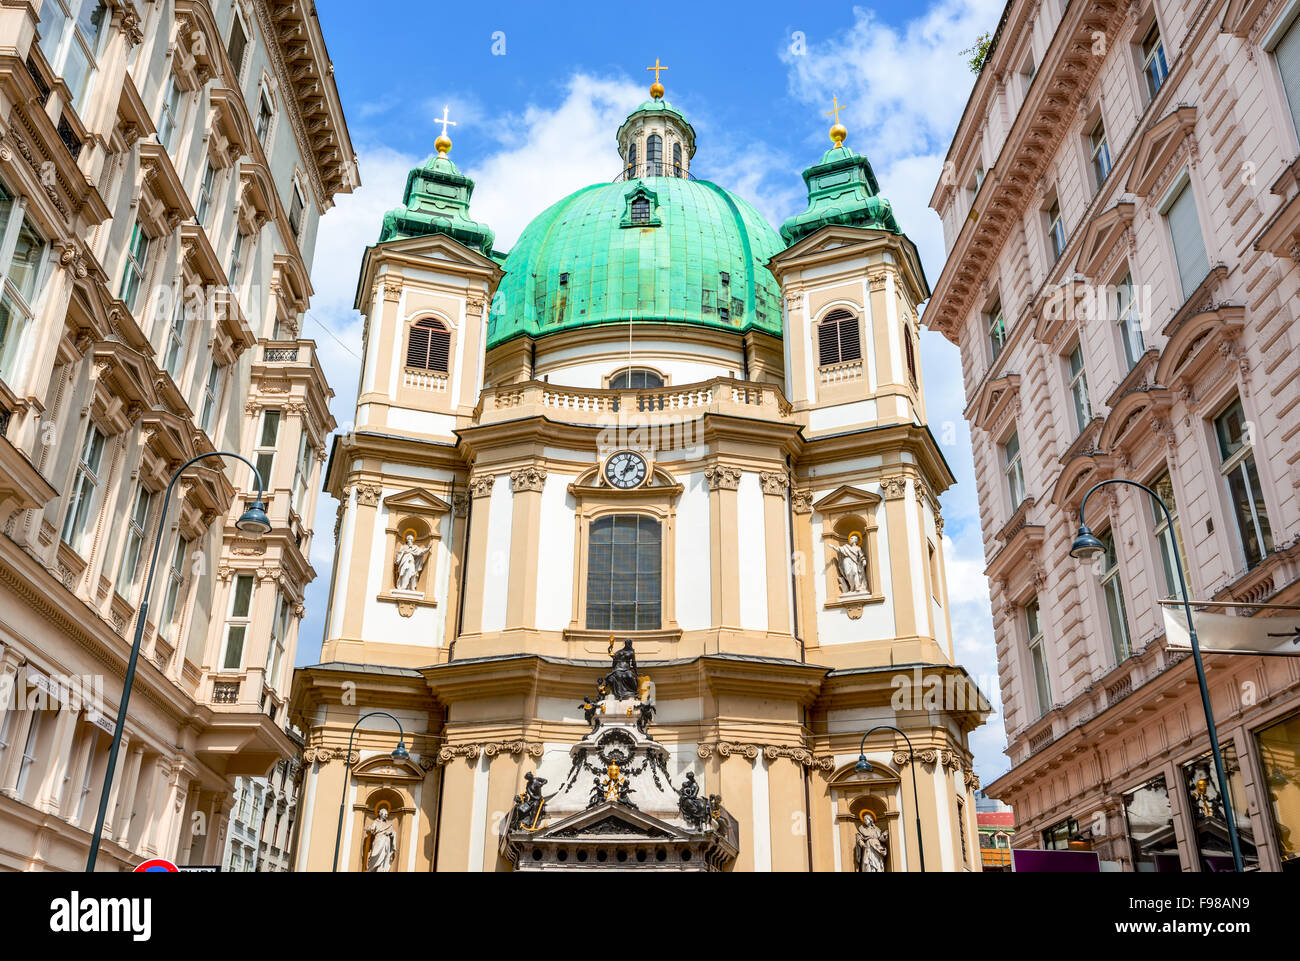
(626, 469)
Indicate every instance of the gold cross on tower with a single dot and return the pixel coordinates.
(656, 88)
(838, 132)
(443, 143)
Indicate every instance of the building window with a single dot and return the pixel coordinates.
(1154, 67)
(1038, 656)
(961, 833)
(174, 349)
(173, 604)
(677, 160)
(302, 472)
(135, 531)
(296, 209)
(238, 45)
(1014, 470)
(85, 488)
(1061, 835)
(640, 209)
(1079, 389)
(137, 255)
(211, 397)
(236, 259)
(838, 339)
(1113, 589)
(279, 636)
(169, 112)
(1100, 150)
(1151, 828)
(635, 378)
(29, 752)
(22, 259)
(237, 622)
(1286, 54)
(654, 155)
(1279, 755)
(1056, 230)
(1129, 320)
(70, 35)
(624, 573)
(264, 454)
(206, 187)
(430, 346)
(910, 351)
(1237, 464)
(1189, 245)
(1169, 538)
(265, 113)
(996, 322)
(1206, 805)
(631, 159)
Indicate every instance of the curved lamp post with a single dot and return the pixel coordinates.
(864, 767)
(399, 754)
(252, 521)
(1086, 547)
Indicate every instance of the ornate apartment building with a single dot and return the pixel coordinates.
(163, 167)
(1121, 207)
(261, 823)
(658, 421)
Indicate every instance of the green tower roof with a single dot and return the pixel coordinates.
(842, 189)
(436, 201)
(691, 253)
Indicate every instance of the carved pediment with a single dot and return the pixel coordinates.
(993, 401)
(416, 500)
(1242, 17)
(610, 820)
(1104, 236)
(384, 767)
(846, 500)
(1158, 147)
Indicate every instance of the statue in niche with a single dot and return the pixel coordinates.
(623, 682)
(408, 564)
(383, 843)
(869, 846)
(851, 565)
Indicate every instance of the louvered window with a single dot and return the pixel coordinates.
(430, 346)
(837, 338)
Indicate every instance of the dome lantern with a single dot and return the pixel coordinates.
(656, 140)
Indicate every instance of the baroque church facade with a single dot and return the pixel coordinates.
(658, 430)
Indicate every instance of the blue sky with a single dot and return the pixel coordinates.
(537, 92)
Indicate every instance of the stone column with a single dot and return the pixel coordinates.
(525, 539)
(130, 786)
(50, 793)
(724, 482)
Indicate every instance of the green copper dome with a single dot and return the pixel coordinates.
(663, 249)
(842, 190)
(436, 201)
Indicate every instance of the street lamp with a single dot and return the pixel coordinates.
(1086, 547)
(864, 767)
(253, 521)
(400, 753)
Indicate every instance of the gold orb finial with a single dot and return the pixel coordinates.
(657, 88)
(443, 143)
(838, 132)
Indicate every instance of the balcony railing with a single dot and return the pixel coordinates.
(644, 170)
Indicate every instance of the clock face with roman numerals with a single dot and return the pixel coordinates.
(626, 469)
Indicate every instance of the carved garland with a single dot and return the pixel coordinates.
(471, 752)
(770, 752)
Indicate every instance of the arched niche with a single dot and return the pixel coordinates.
(384, 783)
(852, 794)
(415, 514)
(846, 514)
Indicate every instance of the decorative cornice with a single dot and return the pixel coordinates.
(471, 751)
(770, 752)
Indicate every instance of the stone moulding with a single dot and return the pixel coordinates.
(770, 752)
(471, 751)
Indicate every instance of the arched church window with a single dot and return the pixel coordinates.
(654, 155)
(635, 378)
(677, 160)
(641, 209)
(911, 353)
(837, 338)
(631, 159)
(430, 345)
(624, 573)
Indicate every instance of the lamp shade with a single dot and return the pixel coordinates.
(1086, 546)
(254, 520)
(863, 766)
(400, 753)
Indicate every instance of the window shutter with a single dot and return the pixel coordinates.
(417, 352)
(850, 347)
(828, 344)
(1287, 54)
(1189, 245)
(439, 349)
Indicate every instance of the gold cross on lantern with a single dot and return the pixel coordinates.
(837, 108)
(656, 68)
(444, 121)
